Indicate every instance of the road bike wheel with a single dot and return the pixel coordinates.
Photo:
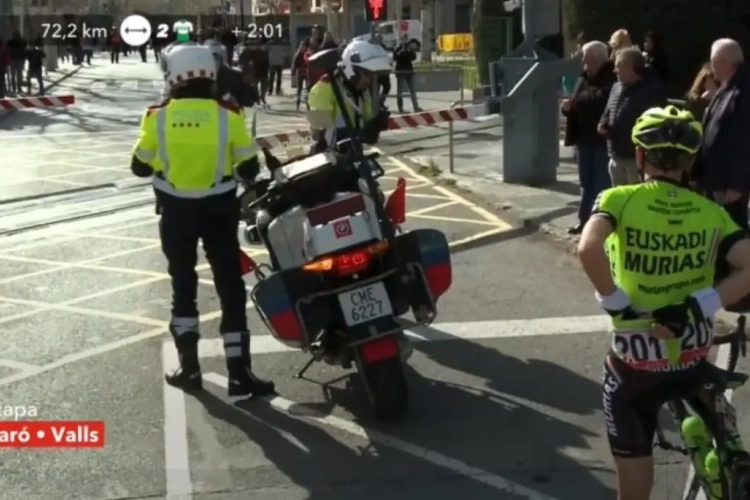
(739, 481)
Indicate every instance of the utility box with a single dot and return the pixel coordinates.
(531, 118)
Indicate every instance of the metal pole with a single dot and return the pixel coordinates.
(451, 166)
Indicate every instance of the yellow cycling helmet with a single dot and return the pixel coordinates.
(666, 134)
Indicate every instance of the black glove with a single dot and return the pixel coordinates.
(272, 162)
(677, 317)
(382, 119)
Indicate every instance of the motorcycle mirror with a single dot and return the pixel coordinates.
(320, 119)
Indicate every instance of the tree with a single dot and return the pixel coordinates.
(688, 27)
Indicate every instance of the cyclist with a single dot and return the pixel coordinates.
(361, 63)
(650, 250)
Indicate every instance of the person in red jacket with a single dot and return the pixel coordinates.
(313, 75)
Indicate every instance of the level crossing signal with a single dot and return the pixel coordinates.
(376, 10)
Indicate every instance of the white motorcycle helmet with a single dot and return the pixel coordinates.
(364, 58)
(188, 62)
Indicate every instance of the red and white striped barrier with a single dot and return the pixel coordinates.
(400, 122)
(52, 101)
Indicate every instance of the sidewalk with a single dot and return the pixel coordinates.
(478, 170)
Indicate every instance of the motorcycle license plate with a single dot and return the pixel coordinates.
(365, 304)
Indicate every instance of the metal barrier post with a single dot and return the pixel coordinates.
(461, 85)
(451, 165)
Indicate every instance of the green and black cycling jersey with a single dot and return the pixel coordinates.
(666, 241)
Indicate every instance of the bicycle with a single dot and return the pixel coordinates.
(734, 465)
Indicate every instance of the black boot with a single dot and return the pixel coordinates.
(188, 376)
(243, 383)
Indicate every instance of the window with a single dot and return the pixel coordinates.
(406, 12)
(317, 5)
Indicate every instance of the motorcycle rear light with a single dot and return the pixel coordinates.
(379, 350)
(347, 263)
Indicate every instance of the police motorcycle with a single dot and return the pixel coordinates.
(342, 275)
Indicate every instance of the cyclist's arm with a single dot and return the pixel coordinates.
(593, 257)
(735, 248)
(591, 253)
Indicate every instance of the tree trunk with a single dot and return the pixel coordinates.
(481, 48)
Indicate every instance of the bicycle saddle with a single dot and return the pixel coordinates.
(722, 379)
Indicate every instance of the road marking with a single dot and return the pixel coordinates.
(18, 365)
(85, 311)
(476, 330)
(432, 208)
(176, 453)
(456, 219)
(98, 351)
(286, 406)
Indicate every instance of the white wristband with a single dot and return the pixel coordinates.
(618, 301)
(709, 301)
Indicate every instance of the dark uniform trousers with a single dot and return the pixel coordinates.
(214, 221)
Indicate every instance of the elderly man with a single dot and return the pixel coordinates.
(635, 91)
(583, 110)
(723, 169)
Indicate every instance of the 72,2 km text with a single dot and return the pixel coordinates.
(66, 32)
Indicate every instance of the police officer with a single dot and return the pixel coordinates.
(192, 145)
(361, 63)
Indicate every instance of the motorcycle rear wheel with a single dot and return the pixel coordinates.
(386, 386)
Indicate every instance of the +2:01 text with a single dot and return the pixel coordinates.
(267, 30)
(63, 31)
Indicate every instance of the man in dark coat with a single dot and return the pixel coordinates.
(583, 110)
(723, 169)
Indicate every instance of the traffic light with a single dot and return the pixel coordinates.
(376, 10)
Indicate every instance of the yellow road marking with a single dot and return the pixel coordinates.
(432, 208)
(455, 219)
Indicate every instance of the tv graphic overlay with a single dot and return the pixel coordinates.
(135, 30)
(66, 30)
(52, 434)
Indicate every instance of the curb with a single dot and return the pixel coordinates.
(52, 85)
(516, 216)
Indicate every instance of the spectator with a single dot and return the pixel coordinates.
(653, 51)
(3, 68)
(299, 71)
(702, 91)
(313, 74)
(115, 45)
(328, 41)
(630, 97)
(229, 40)
(619, 40)
(276, 57)
(254, 64)
(583, 110)
(404, 55)
(317, 35)
(88, 50)
(723, 171)
(35, 56)
(17, 54)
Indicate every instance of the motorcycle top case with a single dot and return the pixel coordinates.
(296, 237)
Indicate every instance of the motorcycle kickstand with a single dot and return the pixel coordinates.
(301, 373)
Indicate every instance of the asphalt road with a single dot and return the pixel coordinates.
(505, 390)
(505, 397)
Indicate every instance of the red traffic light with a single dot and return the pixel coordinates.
(376, 10)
